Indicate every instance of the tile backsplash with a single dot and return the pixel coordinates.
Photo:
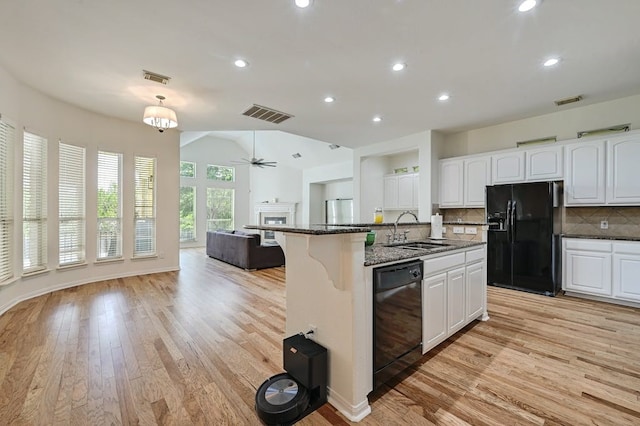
(623, 221)
(463, 215)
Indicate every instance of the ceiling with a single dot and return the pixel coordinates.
(484, 53)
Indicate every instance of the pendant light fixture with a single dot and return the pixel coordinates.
(160, 117)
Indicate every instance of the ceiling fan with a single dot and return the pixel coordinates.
(256, 162)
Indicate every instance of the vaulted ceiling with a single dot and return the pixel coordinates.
(485, 54)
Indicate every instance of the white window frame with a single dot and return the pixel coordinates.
(34, 203)
(7, 243)
(194, 170)
(195, 220)
(71, 205)
(109, 228)
(233, 207)
(144, 207)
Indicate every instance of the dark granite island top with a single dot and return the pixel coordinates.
(311, 229)
(379, 253)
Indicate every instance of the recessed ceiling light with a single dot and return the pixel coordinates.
(241, 63)
(551, 62)
(399, 66)
(444, 97)
(527, 5)
(329, 99)
(303, 3)
(377, 119)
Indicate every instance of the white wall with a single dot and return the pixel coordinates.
(221, 152)
(313, 196)
(372, 162)
(55, 121)
(562, 124)
(282, 183)
(339, 189)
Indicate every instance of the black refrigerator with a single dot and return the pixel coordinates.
(523, 247)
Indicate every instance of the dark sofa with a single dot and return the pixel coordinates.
(243, 249)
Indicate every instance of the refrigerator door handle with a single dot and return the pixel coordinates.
(508, 221)
(513, 221)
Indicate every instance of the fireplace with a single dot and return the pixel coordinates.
(274, 214)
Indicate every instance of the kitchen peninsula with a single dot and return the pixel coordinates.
(329, 288)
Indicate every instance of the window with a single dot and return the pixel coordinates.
(71, 205)
(145, 207)
(109, 205)
(219, 209)
(187, 213)
(34, 203)
(187, 169)
(222, 173)
(7, 141)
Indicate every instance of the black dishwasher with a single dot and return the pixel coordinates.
(397, 319)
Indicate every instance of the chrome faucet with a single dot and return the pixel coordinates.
(396, 237)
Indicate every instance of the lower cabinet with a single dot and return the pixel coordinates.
(602, 268)
(453, 294)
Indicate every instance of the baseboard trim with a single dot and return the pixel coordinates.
(354, 413)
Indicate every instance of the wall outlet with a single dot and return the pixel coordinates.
(312, 331)
(472, 231)
(458, 229)
(604, 224)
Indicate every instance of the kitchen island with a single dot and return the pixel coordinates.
(329, 289)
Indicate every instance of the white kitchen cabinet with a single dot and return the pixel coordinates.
(477, 175)
(476, 275)
(544, 163)
(434, 311)
(626, 271)
(584, 181)
(451, 183)
(400, 191)
(623, 184)
(587, 266)
(508, 167)
(456, 303)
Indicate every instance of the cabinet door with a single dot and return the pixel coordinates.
(390, 192)
(405, 191)
(475, 289)
(626, 271)
(623, 182)
(451, 183)
(416, 190)
(584, 181)
(544, 163)
(508, 167)
(434, 311)
(456, 318)
(587, 272)
(477, 175)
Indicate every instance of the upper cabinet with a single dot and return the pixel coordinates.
(623, 182)
(477, 175)
(451, 183)
(603, 171)
(544, 163)
(508, 167)
(401, 191)
(584, 181)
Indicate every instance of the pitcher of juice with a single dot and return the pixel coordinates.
(377, 215)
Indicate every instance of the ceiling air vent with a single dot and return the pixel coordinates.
(158, 78)
(267, 114)
(571, 100)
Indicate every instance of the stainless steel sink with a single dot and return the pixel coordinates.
(417, 245)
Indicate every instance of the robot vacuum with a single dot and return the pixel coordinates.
(285, 398)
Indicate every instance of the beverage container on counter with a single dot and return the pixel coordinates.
(377, 215)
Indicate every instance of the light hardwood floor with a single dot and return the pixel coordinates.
(191, 347)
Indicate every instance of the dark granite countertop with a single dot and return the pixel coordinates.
(372, 225)
(311, 229)
(380, 253)
(602, 237)
(455, 222)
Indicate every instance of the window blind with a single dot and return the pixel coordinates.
(7, 142)
(109, 205)
(71, 205)
(34, 203)
(145, 207)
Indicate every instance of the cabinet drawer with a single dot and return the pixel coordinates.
(444, 262)
(590, 245)
(473, 255)
(627, 248)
